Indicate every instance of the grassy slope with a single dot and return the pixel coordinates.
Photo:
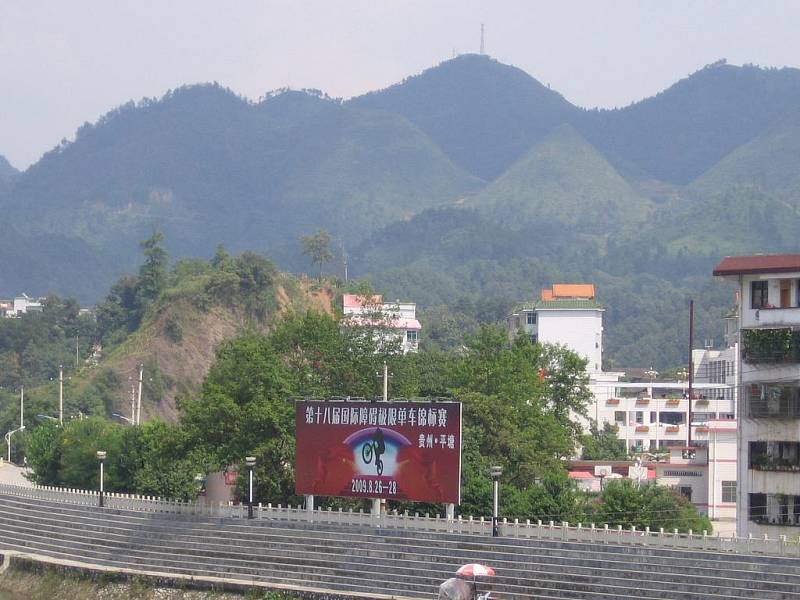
(182, 364)
(768, 163)
(563, 180)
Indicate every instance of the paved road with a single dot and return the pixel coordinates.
(13, 475)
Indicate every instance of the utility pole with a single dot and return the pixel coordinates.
(344, 260)
(139, 402)
(21, 407)
(60, 394)
(483, 47)
(691, 367)
(133, 402)
(385, 382)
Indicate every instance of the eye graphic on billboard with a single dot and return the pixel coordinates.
(392, 450)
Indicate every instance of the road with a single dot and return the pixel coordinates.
(13, 475)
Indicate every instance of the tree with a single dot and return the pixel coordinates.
(153, 273)
(318, 248)
(624, 503)
(603, 445)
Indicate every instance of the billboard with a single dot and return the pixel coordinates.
(394, 450)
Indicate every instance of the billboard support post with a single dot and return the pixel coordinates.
(450, 510)
(376, 507)
(310, 503)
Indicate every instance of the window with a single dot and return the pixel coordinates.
(639, 417)
(653, 416)
(534, 338)
(531, 318)
(685, 491)
(729, 491)
(411, 336)
(672, 417)
(619, 416)
(759, 294)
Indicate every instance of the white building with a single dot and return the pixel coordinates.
(652, 419)
(398, 320)
(20, 305)
(567, 314)
(769, 382)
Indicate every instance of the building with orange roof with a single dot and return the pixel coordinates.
(566, 314)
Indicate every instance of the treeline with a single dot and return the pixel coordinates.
(512, 417)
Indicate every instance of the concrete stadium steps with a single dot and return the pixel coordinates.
(217, 551)
(397, 562)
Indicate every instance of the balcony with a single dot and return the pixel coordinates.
(612, 401)
(673, 401)
(642, 429)
(774, 509)
(772, 401)
(642, 401)
(775, 456)
(672, 429)
(770, 346)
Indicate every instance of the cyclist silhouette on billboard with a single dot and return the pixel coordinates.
(375, 447)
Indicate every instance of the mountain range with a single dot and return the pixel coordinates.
(468, 185)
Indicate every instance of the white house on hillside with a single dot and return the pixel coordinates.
(396, 319)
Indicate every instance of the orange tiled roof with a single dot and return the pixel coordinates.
(573, 290)
(356, 301)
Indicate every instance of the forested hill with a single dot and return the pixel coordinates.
(641, 200)
(483, 114)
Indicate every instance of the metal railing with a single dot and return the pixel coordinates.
(551, 531)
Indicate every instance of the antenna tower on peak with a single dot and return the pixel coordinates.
(483, 47)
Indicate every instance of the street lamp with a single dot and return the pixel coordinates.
(250, 461)
(495, 472)
(123, 418)
(101, 456)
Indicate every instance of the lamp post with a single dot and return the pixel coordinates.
(250, 461)
(495, 472)
(101, 456)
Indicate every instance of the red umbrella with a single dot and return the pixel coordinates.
(475, 570)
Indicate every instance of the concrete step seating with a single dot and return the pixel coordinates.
(371, 561)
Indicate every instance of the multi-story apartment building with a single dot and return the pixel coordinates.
(769, 385)
(697, 455)
(396, 321)
(694, 452)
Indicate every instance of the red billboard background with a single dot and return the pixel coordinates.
(392, 450)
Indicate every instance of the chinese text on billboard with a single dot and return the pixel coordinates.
(392, 450)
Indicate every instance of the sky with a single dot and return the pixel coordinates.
(65, 62)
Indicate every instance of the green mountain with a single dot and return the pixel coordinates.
(769, 163)
(483, 114)
(7, 171)
(51, 263)
(465, 188)
(681, 132)
(206, 167)
(563, 181)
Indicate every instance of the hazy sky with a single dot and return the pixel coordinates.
(63, 62)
